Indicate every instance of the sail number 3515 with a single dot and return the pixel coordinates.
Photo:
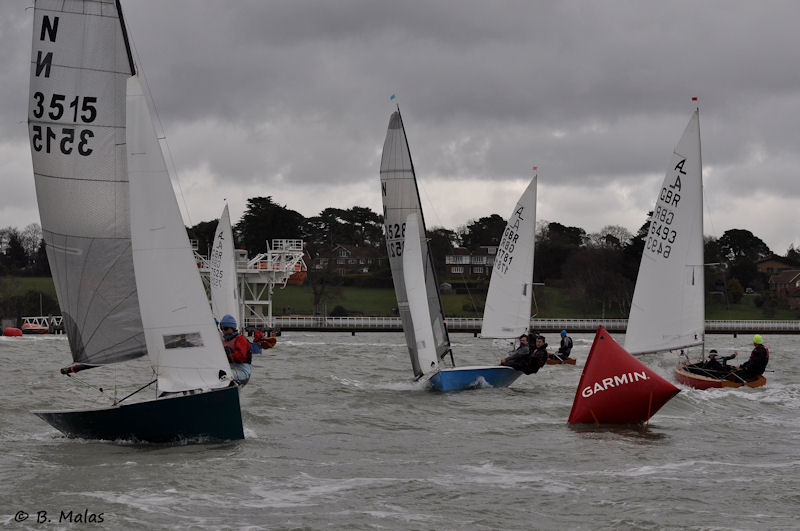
(64, 139)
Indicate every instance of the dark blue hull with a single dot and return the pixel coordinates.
(462, 378)
(211, 415)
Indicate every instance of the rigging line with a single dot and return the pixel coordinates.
(145, 386)
(90, 386)
(161, 132)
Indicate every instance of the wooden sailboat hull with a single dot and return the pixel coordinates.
(698, 381)
(463, 378)
(214, 415)
(568, 361)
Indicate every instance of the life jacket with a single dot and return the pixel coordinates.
(231, 344)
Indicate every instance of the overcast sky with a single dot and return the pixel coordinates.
(291, 99)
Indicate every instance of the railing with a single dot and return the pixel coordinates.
(54, 321)
(474, 323)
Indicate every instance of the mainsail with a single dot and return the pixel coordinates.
(401, 198)
(80, 64)
(668, 311)
(222, 266)
(182, 341)
(507, 310)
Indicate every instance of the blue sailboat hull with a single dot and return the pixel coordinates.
(462, 378)
(210, 415)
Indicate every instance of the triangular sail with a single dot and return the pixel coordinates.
(401, 198)
(182, 341)
(414, 277)
(668, 311)
(76, 119)
(222, 266)
(507, 312)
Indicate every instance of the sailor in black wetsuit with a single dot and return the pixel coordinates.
(755, 366)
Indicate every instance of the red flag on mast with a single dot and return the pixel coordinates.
(616, 388)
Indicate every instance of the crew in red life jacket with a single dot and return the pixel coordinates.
(237, 348)
(757, 363)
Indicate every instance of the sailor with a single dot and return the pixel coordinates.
(522, 359)
(525, 359)
(521, 353)
(713, 364)
(262, 340)
(564, 349)
(756, 365)
(237, 348)
(539, 353)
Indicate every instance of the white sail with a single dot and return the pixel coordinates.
(401, 198)
(76, 118)
(414, 277)
(507, 312)
(668, 311)
(222, 276)
(182, 342)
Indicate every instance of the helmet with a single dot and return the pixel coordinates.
(757, 339)
(227, 321)
(563, 333)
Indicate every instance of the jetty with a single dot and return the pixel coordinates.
(471, 325)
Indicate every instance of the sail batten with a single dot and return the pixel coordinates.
(400, 199)
(76, 123)
(668, 308)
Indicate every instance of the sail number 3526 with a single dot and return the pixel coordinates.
(395, 235)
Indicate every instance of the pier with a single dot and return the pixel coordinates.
(472, 325)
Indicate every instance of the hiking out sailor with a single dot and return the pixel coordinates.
(238, 350)
(522, 358)
(756, 365)
(564, 349)
(539, 352)
(521, 353)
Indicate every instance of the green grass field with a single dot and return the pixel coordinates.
(10, 286)
(550, 302)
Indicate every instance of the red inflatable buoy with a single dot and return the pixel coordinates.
(12, 332)
(616, 388)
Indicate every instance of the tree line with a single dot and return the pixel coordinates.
(597, 268)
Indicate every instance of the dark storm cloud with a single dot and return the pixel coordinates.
(292, 94)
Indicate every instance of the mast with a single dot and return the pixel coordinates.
(428, 263)
(400, 196)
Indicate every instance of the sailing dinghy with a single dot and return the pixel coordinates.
(414, 277)
(122, 266)
(668, 307)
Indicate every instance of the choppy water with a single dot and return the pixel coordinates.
(338, 437)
